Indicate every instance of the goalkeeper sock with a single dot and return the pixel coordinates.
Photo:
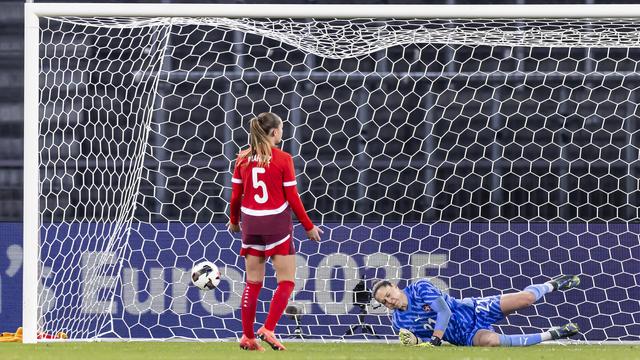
(249, 304)
(520, 340)
(539, 290)
(278, 303)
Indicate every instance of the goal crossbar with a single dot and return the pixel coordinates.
(338, 10)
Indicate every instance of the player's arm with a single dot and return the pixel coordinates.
(440, 306)
(293, 198)
(405, 336)
(408, 338)
(237, 189)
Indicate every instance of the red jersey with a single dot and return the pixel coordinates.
(264, 194)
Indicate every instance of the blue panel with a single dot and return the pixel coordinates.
(10, 276)
(477, 260)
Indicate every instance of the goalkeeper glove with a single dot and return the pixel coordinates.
(425, 345)
(408, 338)
(435, 341)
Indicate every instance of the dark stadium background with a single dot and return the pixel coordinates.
(547, 202)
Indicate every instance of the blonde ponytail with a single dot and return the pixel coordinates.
(259, 145)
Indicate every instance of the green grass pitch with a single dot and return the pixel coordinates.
(300, 351)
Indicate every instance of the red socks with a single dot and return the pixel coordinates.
(276, 308)
(248, 306)
(278, 304)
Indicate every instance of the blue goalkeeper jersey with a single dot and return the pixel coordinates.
(420, 319)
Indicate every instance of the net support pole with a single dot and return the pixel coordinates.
(31, 190)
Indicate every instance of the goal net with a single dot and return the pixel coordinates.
(484, 154)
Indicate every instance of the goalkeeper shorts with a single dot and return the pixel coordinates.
(487, 312)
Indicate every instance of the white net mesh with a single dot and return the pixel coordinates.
(484, 154)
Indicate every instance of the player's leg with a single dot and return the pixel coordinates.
(486, 338)
(490, 310)
(516, 301)
(284, 263)
(555, 333)
(532, 293)
(285, 267)
(255, 269)
(490, 338)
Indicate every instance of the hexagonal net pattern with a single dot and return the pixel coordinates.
(486, 155)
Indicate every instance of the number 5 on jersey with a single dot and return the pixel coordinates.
(259, 184)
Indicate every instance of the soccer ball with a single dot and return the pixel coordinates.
(205, 275)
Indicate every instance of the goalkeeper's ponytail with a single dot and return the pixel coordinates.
(261, 127)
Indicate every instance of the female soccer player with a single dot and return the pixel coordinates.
(264, 191)
(426, 316)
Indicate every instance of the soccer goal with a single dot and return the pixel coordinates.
(484, 147)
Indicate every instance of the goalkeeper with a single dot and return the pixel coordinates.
(426, 316)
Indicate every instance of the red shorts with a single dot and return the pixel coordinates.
(267, 245)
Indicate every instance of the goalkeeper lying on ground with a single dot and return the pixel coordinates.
(426, 316)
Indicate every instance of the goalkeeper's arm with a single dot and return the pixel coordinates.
(440, 306)
(408, 338)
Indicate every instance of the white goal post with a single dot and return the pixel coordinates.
(477, 59)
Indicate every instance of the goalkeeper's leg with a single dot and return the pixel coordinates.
(490, 338)
(532, 293)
